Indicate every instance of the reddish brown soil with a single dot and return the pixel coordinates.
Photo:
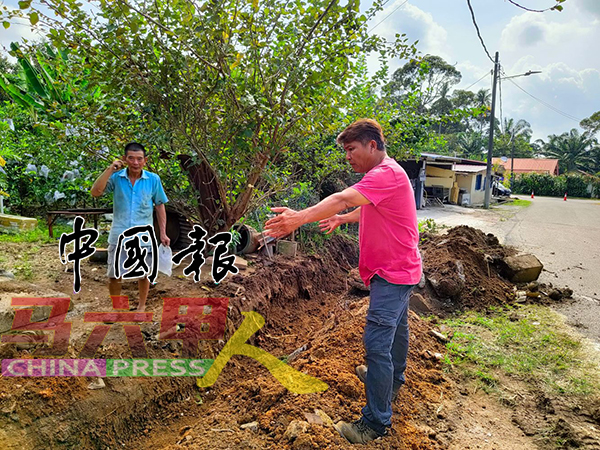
(305, 304)
(463, 271)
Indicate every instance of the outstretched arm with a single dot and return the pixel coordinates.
(289, 220)
(333, 222)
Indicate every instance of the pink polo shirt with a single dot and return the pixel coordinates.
(388, 231)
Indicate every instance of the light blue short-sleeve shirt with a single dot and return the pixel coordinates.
(133, 205)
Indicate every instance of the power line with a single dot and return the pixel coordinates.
(484, 75)
(379, 23)
(478, 32)
(547, 105)
(531, 10)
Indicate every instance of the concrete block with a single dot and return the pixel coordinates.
(40, 313)
(240, 263)
(522, 268)
(17, 223)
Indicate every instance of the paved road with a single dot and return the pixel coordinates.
(565, 236)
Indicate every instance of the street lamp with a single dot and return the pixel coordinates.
(488, 173)
(526, 74)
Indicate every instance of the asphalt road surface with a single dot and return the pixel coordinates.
(565, 236)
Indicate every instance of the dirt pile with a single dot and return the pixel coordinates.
(312, 321)
(462, 269)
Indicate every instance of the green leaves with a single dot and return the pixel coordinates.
(24, 4)
(558, 6)
(235, 84)
(6, 24)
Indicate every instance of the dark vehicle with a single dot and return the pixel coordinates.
(499, 190)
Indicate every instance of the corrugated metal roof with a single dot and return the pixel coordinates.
(435, 157)
(469, 168)
(439, 157)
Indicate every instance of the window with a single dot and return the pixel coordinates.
(478, 182)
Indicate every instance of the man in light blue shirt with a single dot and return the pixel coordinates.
(136, 193)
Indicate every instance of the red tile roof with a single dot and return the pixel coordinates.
(527, 165)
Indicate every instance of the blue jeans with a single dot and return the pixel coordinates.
(386, 347)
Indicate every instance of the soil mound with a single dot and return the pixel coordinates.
(462, 270)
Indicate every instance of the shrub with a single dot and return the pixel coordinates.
(554, 186)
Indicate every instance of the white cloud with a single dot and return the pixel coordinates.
(537, 30)
(574, 92)
(591, 6)
(417, 25)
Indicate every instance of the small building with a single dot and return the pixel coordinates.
(434, 176)
(528, 165)
(471, 179)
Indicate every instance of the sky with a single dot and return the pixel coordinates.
(559, 44)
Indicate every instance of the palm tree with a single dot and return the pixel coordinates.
(521, 128)
(483, 98)
(574, 150)
(471, 145)
(515, 136)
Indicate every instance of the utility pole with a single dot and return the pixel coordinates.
(488, 173)
(512, 163)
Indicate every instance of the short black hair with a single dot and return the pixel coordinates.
(364, 131)
(135, 147)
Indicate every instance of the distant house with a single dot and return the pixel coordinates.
(434, 176)
(529, 165)
(471, 179)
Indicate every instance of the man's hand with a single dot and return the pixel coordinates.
(331, 223)
(164, 240)
(116, 165)
(287, 221)
(100, 184)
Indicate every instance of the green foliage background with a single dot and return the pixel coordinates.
(557, 186)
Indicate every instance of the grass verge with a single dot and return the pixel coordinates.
(521, 202)
(530, 343)
(39, 235)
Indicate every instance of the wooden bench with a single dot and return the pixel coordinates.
(94, 212)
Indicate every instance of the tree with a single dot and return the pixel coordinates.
(514, 136)
(223, 88)
(471, 145)
(429, 78)
(463, 99)
(42, 81)
(443, 105)
(573, 150)
(483, 100)
(6, 68)
(592, 123)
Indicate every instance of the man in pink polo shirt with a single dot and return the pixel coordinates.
(390, 263)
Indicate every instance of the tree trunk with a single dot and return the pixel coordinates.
(212, 202)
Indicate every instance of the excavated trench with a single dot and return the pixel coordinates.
(314, 321)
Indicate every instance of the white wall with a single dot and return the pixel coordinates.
(469, 182)
(439, 177)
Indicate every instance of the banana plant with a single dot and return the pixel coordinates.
(38, 87)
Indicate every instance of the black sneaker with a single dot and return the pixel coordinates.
(356, 432)
(361, 373)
